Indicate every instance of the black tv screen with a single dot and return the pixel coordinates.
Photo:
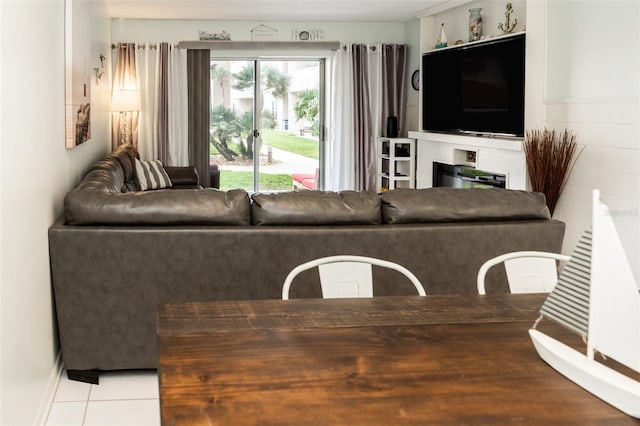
(475, 89)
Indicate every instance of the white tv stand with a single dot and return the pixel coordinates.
(491, 154)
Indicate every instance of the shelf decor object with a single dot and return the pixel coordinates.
(204, 35)
(309, 34)
(442, 38)
(263, 33)
(508, 26)
(475, 24)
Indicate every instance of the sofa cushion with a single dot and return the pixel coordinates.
(151, 175)
(161, 207)
(454, 205)
(316, 208)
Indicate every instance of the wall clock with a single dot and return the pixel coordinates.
(415, 80)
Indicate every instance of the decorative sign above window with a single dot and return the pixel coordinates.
(307, 34)
(214, 36)
(263, 33)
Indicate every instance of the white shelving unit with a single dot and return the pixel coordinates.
(396, 163)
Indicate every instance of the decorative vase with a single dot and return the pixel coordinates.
(475, 24)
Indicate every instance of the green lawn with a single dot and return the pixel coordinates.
(285, 141)
(268, 182)
(288, 141)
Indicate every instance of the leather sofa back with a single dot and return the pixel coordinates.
(458, 205)
(316, 208)
(109, 195)
(206, 206)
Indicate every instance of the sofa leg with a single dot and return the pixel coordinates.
(86, 376)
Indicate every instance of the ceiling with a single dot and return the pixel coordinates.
(272, 10)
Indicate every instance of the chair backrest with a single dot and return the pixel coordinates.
(347, 276)
(527, 271)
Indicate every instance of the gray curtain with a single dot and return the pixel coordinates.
(393, 84)
(365, 167)
(198, 87)
(392, 79)
(162, 126)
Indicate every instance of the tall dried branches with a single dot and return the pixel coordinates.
(550, 158)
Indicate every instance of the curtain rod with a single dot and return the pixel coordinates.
(142, 45)
(370, 47)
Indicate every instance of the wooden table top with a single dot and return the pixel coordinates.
(436, 360)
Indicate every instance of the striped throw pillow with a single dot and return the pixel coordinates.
(151, 175)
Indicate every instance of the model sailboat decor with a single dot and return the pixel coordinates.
(596, 297)
(442, 38)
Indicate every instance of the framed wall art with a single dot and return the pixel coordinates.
(77, 50)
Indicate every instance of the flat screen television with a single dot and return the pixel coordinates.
(476, 89)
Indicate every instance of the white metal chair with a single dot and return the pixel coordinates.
(347, 276)
(527, 271)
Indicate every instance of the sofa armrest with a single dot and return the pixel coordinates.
(182, 176)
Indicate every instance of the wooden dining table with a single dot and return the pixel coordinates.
(435, 360)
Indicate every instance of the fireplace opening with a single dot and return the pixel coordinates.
(466, 177)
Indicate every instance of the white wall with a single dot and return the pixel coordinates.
(593, 88)
(36, 171)
(414, 58)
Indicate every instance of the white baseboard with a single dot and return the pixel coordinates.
(50, 393)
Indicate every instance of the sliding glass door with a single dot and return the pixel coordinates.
(266, 123)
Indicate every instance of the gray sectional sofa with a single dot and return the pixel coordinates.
(116, 253)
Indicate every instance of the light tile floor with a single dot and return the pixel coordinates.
(123, 398)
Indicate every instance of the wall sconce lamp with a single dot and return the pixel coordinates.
(125, 101)
(100, 71)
